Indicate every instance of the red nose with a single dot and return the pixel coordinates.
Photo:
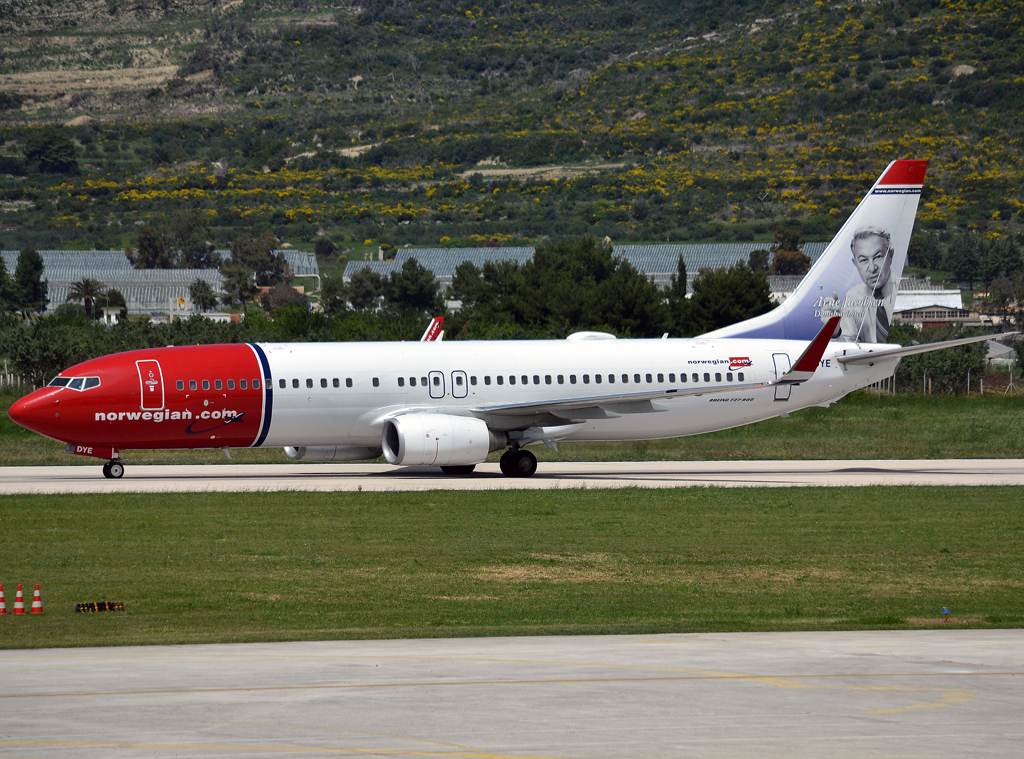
(38, 411)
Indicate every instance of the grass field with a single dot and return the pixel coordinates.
(291, 566)
(862, 425)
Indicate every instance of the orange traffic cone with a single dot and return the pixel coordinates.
(37, 601)
(3, 603)
(19, 601)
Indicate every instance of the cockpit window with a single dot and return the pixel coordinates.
(75, 383)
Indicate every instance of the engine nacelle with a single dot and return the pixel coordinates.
(332, 453)
(438, 440)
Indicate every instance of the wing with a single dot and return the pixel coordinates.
(615, 405)
(870, 357)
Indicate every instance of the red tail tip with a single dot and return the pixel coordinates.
(905, 172)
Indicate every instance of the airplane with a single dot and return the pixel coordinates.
(450, 404)
(433, 332)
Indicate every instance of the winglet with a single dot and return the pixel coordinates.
(804, 368)
(433, 330)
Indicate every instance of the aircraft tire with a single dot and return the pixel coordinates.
(116, 469)
(524, 464)
(505, 463)
(106, 470)
(459, 469)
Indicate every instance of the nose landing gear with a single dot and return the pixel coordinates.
(516, 462)
(113, 470)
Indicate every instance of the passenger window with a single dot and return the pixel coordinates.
(206, 384)
(636, 378)
(512, 379)
(572, 379)
(671, 378)
(472, 380)
(401, 381)
(242, 384)
(718, 376)
(597, 378)
(682, 377)
(740, 376)
(323, 382)
(295, 383)
(696, 378)
(282, 383)
(458, 380)
(611, 379)
(255, 384)
(547, 379)
(501, 380)
(561, 379)
(231, 384)
(423, 381)
(487, 380)
(218, 384)
(309, 382)
(661, 378)
(181, 384)
(348, 382)
(728, 376)
(376, 382)
(412, 382)
(437, 382)
(707, 377)
(586, 379)
(336, 382)
(536, 379)
(525, 379)
(77, 382)
(191, 384)
(625, 378)
(649, 378)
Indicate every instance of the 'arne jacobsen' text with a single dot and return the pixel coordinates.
(163, 416)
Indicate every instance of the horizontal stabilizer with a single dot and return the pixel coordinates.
(911, 350)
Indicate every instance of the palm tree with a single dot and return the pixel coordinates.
(86, 291)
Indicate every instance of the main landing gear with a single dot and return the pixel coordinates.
(516, 462)
(113, 470)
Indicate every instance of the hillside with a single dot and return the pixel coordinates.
(506, 121)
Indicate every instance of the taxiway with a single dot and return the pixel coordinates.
(383, 477)
(928, 693)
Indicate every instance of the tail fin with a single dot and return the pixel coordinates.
(858, 275)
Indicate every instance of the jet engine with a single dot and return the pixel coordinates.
(438, 440)
(332, 453)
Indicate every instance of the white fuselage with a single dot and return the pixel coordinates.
(341, 393)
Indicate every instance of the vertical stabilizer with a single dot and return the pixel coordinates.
(858, 275)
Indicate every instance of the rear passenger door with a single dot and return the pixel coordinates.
(436, 383)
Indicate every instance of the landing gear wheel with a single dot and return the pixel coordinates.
(518, 463)
(524, 464)
(106, 470)
(113, 470)
(459, 469)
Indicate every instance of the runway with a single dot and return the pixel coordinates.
(937, 693)
(643, 474)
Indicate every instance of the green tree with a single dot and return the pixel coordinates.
(8, 291)
(725, 296)
(962, 260)
(239, 284)
(678, 303)
(333, 295)
(947, 369)
(86, 291)
(364, 289)
(790, 263)
(325, 248)
(49, 150)
(202, 295)
(760, 260)
(924, 252)
(413, 287)
(283, 295)
(257, 255)
(152, 250)
(187, 232)
(29, 286)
